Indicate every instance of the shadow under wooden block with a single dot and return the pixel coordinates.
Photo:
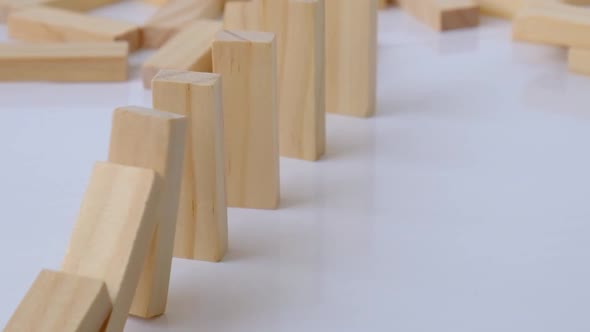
(62, 302)
(112, 234)
(201, 230)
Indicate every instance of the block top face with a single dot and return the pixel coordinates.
(186, 77)
(144, 111)
(245, 36)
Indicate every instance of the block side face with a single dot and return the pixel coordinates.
(186, 77)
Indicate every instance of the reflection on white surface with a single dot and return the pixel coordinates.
(461, 207)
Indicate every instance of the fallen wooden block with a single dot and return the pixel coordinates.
(241, 15)
(502, 8)
(62, 302)
(201, 230)
(6, 6)
(444, 15)
(302, 98)
(175, 16)
(44, 24)
(152, 139)
(247, 63)
(112, 235)
(188, 50)
(69, 62)
(579, 60)
(351, 47)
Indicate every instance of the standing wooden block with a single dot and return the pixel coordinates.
(70, 62)
(62, 302)
(113, 233)
(175, 16)
(152, 139)
(444, 15)
(241, 15)
(58, 25)
(579, 60)
(201, 230)
(351, 50)
(188, 50)
(302, 103)
(247, 63)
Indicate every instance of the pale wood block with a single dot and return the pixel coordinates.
(69, 62)
(62, 302)
(351, 50)
(302, 110)
(241, 15)
(444, 15)
(201, 230)
(157, 2)
(6, 6)
(250, 117)
(152, 139)
(112, 235)
(175, 16)
(188, 50)
(579, 60)
(44, 24)
(502, 8)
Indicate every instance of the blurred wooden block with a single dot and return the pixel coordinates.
(250, 116)
(112, 235)
(62, 302)
(502, 8)
(351, 50)
(302, 98)
(69, 62)
(6, 6)
(175, 16)
(152, 139)
(188, 50)
(444, 15)
(201, 230)
(241, 15)
(157, 2)
(44, 24)
(579, 60)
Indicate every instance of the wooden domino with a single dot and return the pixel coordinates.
(111, 238)
(201, 229)
(69, 62)
(579, 60)
(62, 302)
(241, 15)
(247, 63)
(152, 139)
(444, 15)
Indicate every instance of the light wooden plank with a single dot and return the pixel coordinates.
(444, 15)
(579, 60)
(6, 6)
(241, 15)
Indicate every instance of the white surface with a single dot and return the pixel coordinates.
(461, 207)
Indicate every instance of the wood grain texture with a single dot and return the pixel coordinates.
(241, 15)
(188, 50)
(579, 60)
(44, 24)
(302, 109)
(69, 62)
(247, 63)
(62, 302)
(444, 15)
(201, 230)
(6, 6)
(351, 48)
(152, 139)
(176, 15)
(111, 237)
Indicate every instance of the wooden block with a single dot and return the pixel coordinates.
(6, 6)
(175, 16)
(188, 50)
(444, 15)
(502, 8)
(62, 302)
(70, 62)
(201, 230)
(579, 60)
(302, 103)
(351, 47)
(113, 232)
(46, 24)
(250, 117)
(241, 15)
(152, 139)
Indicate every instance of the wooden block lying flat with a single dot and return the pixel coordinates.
(351, 47)
(241, 15)
(502, 8)
(111, 237)
(579, 60)
(43, 24)
(62, 302)
(69, 62)
(444, 15)
(175, 16)
(302, 103)
(201, 231)
(250, 116)
(6, 6)
(152, 139)
(188, 50)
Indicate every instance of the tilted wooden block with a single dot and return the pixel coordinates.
(175, 16)
(152, 139)
(302, 98)
(579, 60)
(351, 47)
(62, 302)
(188, 50)
(112, 235)
(6, 6)
(250, 117)
(241, 15)
(201, 230)
(444, 15)
(69, 62)
(58, 25)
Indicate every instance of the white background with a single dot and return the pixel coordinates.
(461, 207)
